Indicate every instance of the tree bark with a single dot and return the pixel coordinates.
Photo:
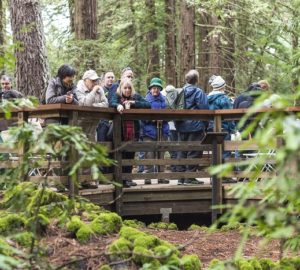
(187, 34)
(72, 15)
(152, 44)
(2, 27)
(85, 19)
(31, 59)
(203, 51)
(170, 54)
(214, 54)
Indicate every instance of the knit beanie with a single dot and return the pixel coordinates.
(217, 82)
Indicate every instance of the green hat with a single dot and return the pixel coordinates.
(156, 82)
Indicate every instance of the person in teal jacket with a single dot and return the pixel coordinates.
(218, 100)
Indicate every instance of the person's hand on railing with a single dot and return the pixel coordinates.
(69, 97)
(120, 108)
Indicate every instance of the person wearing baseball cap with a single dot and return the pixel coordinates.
(89, 92)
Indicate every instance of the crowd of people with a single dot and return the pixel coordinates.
(92, 90)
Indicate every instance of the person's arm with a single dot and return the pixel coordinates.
(103, 103)
(140, 103)
(51, 94)
(202, 102)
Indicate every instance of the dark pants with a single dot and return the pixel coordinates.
(190, 137)
(174, 137)
(127, 155)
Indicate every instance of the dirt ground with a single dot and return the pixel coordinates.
(61, 248)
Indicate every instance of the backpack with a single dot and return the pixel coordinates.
(175, 98)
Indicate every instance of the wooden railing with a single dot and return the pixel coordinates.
(77, 115)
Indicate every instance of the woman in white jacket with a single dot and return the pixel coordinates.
(89, 92)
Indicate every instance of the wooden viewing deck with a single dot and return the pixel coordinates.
(146, 199)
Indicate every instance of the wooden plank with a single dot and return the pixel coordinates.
(243, 174)
(153, 208)
(239, 145)
(200, 162)
(87, 178)
(166, 175)
(165, 146)
(50, 179)
(9, 164)
(117, 140)
(164, 195)
(5, 149)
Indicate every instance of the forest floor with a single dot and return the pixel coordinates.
(221, 245)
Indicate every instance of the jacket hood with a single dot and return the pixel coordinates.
(190, 90)
(212, 96)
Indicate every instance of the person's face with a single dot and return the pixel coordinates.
(154, 90)
(128, 74)
(126, 90)
(5, 85)
(109, 79)
(90, 83)
(68, 81)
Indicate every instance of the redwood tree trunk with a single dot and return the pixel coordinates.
(72, 15)
(152, 44)
(85, 19)
(2, 27)
(187, 34)
(214, 42)
(170, 54)
(31, 60)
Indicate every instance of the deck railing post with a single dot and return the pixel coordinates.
(117, 141)
(216, 181)
(22, 118)
(73, 183)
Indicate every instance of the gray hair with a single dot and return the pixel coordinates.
(5, 78)
(192, 77)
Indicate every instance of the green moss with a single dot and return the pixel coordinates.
(134, 223)
(105, 267)
(287, 264)
(48, 197)
(255, 264)
(18, 197)
(122, 249)
(142, 255)
(5, 248)
(195, 227)
(229, 227)
(74, 224)
(172, 226)
(131, 233)
(244, 265)
(24, 239)
(11, 222)
(84, 234)
(267, 264)
(169, 255)
(296, 262)
(106, 223)
(148, 241)
(216, 263)
(190, 262)
(42, 223)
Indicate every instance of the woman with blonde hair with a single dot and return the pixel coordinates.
(126, 98)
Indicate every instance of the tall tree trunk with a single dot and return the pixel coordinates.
(187, 36)
(203, 50)
(152, 44)
(85, 24)
(72, 15)
(2, 27)
(85, 20)
(31, 60)
(214, 55)
(170, 54)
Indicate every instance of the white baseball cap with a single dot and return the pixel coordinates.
(91, 75)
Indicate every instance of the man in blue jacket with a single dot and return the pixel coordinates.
(192, 130)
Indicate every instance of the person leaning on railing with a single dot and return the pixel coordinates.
(155, 130)
(126, 98)
(61, 89)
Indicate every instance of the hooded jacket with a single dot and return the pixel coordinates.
(150, 127)
(195, 99)
(218, 100)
